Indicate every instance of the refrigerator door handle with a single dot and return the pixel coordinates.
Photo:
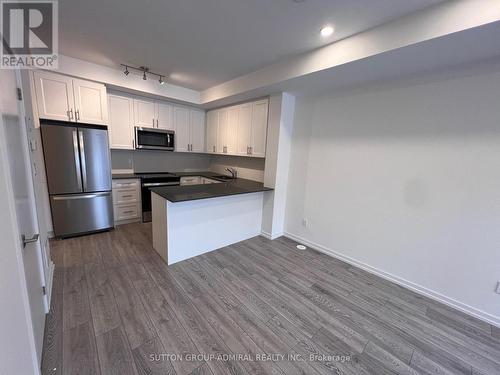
(77, 158)
(79, 196)
(84, 164)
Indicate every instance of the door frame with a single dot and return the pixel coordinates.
(32, 126)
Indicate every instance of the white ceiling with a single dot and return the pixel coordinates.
(201, 43)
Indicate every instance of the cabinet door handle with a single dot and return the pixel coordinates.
(154, 123)
(214, 148)
(77, 115)
(157, 123)
(70, 114)
(251, 150)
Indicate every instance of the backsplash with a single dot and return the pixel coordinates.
(161, 161)
(158, 161)
(249, 168)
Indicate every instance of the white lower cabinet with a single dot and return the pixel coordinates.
(238, 130)
(127, 200)
(191, 180)
(197, 180)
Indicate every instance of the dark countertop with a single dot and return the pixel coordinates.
(159, 174)
(194, 192)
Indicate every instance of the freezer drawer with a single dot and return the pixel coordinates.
(81, 213)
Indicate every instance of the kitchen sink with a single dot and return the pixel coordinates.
(223, 178)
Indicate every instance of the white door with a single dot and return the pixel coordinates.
(121, 122)
(144, 113)
(54, 96)
(91, 105)
(16, 144)
(244, 129)
(232, 130)
(197, 128)
(181, 123)
(259, 128)
(223, 131)
(212, 131)
(164, 116)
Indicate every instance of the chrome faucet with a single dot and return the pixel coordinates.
(233, 171)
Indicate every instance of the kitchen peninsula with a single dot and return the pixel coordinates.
(195, 219)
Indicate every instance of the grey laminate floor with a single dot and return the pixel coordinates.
(115, 303)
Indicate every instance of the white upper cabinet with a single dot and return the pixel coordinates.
(238, 130)
(64, 98)
(197, 130)
(223, 131)
(54, 96)
(212, 131)
(121, 122)
(145, 113)
(231, 142)
(244, 129)
(259, 128)
(165, 118)
(60, 97)
(90, 102)
(182, 132)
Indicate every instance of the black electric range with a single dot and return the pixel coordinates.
(151, 180)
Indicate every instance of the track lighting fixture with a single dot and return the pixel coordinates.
(145, 71)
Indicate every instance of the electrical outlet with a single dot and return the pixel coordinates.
(305, 223)
(497, 288)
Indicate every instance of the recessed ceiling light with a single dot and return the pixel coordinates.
(326, 30)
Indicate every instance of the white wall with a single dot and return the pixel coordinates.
(405, 180)
(278, 148)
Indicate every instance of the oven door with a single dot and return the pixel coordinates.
(154, 139)
(146, 197)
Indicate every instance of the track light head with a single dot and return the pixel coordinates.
(145, 72)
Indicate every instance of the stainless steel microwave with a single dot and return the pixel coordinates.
(154, 139)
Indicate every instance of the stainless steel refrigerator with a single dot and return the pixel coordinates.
(78, 167)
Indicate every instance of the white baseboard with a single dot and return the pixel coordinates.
(266, 235)
(479, 314)
(270, 236)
